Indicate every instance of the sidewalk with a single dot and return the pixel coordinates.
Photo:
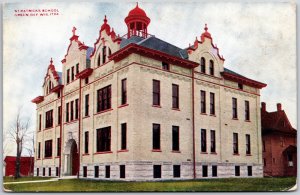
(37, 181)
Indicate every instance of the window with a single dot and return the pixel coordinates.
(203, 140)
(214, 171)
(58, 147)
(202, 65)
(107, 171)
(237, 170)
(249, 170)
(72, 110)
(240, 86)
(44, 171)
(67, 112)
(234, 108)
(96, 171)
(204, 171)
(122, 171)
(39, 150)
(58, 94)
(156, 171)
(156, 92)
(86, 80)
(104, 98)
(156, 137)
(248, 145)
(264, 146)
(247, 113)
(84, 171)
(175, 138)
(48, 148)
(176, 171)
(59, 115)
(76, 109)
(103, 54)
(72, 73)
(49, 171)
(103, 139)
(235, 143)
(175, 96)
(124, 92)
(211, 67)
(109, 51)
(212, 104)
(203, 102)
(123, 136)
(68, 76)
(77, 68)
(37, 172)
(86, 109)
(212, 141)
(86, 142)
(49, 119)
(56, 171)
(165, 66)
(40, 122)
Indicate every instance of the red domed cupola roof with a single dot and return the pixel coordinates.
(137, 22)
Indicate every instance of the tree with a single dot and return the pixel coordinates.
(19, 133)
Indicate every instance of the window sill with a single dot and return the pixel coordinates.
(48, 128)
(203, 153)
(176, 109)
(110, 109)
(176, 151)
(85, 154)
(156, 106)
(71, 81)
(213, 115)
(122, 150)
(248, 154)
(247, 121)
(203, 113)
(106, 152)
(214, 153)
(57, 157)
(38, 159)
(235, 119)
(47, 158)
(86, 117)
(236, 154)
(156, 150)
(123, 105)
(70, 122)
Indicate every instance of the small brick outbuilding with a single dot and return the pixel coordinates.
(26, 169)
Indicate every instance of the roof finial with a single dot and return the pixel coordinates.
(51, 61)
(73, 30)
(105, 20)
(137, 4)
(205, 28)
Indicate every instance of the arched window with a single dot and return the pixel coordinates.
(50, 86)
(103, 54)
(202, 65)
(211, 67)
(109, 52)
(98, 61)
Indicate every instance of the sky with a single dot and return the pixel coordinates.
(257, 40)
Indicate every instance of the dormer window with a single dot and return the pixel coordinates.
(211, 67)
(202, 65)
(165, 66)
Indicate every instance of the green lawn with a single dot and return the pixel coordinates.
(232, 184)
(12, 179)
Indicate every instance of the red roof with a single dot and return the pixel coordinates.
(137, 11)
(137, 14)
(276, 121)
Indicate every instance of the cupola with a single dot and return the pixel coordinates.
(137, 22)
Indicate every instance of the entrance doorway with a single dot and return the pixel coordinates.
(71, 158)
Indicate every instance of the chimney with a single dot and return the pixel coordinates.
(279, 107)
(263, 107)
